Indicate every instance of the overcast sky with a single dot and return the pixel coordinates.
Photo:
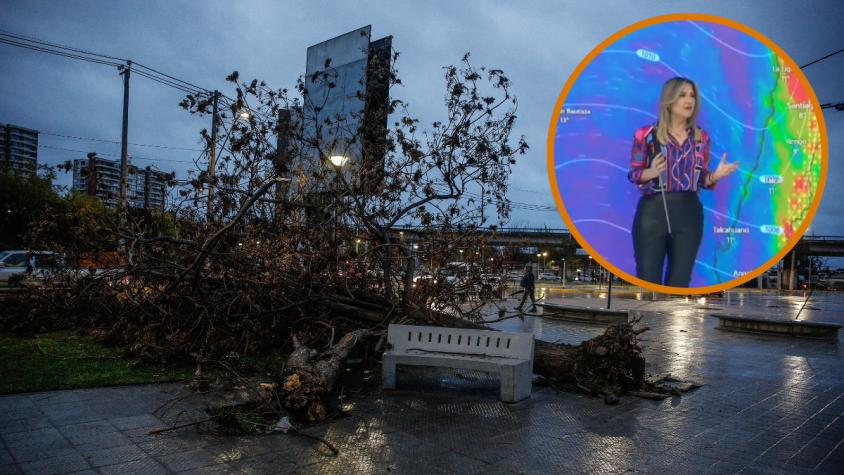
(538, 44)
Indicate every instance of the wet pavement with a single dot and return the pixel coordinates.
(769, 404)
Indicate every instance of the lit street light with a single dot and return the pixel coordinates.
(338, 161)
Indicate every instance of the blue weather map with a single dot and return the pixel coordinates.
(752, 105)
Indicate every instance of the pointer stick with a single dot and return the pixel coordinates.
(662, 190)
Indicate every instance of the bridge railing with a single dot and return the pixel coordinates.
(496, 230)
(823, 238)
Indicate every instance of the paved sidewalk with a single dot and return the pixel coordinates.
(769, 405)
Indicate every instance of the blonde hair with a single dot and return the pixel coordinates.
(670, 94)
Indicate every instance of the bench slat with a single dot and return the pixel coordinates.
(461, 340)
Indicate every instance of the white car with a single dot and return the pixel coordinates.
(549, 276)
(16, 265)
(834, 282)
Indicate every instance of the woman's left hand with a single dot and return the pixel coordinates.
(724, 169)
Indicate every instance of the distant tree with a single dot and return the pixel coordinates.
(25, 198)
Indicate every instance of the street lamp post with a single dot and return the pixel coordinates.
(337, 161)
(600, 277)
(809, 280)
(564, 272)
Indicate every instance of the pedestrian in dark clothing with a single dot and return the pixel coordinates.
(529, 284)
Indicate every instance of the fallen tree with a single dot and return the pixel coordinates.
(297, 258)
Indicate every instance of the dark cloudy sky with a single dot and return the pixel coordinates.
(538, 44)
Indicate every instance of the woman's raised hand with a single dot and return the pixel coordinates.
(724, 169)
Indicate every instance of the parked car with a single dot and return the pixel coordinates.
(424, 279)
(17, 265)
(454, 274)
(549, 276)
(835, 281)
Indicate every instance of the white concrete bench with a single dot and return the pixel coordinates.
(510, 355)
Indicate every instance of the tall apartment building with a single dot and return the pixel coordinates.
(145, 186)
(18, 148)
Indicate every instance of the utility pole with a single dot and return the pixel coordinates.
(146, 188)
(7, 148)
(792, 272)
(212, 156)
(124, 143)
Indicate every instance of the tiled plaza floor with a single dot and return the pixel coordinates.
(768, 405)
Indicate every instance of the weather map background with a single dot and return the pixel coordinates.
(754, 108)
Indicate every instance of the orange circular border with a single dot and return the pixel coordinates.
(665, 19)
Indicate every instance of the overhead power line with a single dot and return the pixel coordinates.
(133, 157)
(35, 44)
(167, 82)
(57, 52)
(173, 78)
(821, 59)
(513, 204)
(31, 39)
(90, 139)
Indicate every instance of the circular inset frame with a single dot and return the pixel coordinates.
(793, 198)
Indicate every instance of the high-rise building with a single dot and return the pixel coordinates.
(345, 109)
(145, 187)
(18, 148)
(106, 182)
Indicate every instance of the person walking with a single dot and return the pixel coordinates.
(528, 283)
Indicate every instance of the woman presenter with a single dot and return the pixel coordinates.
(670, 164)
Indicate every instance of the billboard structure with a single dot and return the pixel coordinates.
(345, 110)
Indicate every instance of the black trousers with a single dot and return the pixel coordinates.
(652, 243)
(529, 292)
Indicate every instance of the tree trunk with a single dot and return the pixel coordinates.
(310, 376)
(611, 363)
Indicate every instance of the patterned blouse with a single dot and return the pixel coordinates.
(687, 162)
